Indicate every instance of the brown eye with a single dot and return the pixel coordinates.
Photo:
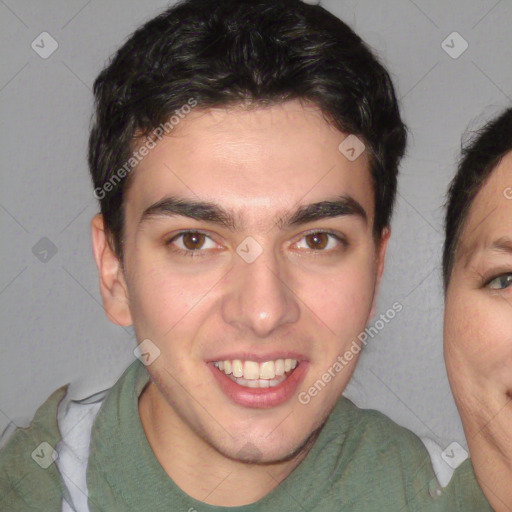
(191, 243)
(320, 241)
(317, 241)
(193, 240)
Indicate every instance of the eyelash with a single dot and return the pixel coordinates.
(488, 281)
(339, 238)
(182, 252)
(197, 253)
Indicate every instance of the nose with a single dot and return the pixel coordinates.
(259, 298)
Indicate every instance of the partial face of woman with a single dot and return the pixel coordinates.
(478, 334)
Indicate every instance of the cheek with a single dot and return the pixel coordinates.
(478, 335)
(166, 303)
(160, 299)
(344, 300)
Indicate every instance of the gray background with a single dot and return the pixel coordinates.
(54, 330)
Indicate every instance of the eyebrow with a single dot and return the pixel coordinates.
(501, 245)
(173, 206)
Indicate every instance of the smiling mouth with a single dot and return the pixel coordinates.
(251, 374)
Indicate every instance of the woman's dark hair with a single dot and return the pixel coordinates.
(479, 159)
(221, 53)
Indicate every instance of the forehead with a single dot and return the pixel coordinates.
(490, 215)
(253, 162)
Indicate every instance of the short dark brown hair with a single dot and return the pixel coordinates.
(225, 52)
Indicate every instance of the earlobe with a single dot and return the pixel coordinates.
(380, 256)
(113, 289)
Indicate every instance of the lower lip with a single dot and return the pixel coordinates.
(260, 398)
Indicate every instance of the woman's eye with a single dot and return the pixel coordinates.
(500, 282)
(319, 241)
(192, 241)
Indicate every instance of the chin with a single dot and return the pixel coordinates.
(259, 449)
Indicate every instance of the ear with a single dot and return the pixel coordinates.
(113, 288)
(380, 256)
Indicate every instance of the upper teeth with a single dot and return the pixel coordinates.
(254, 370)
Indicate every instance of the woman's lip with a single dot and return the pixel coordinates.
(260, 398)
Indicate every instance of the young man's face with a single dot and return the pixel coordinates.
(255, 288)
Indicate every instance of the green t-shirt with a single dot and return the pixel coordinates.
(360, 462)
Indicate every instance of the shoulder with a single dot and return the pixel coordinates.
(398, 461)
(28, 478)
(377, 434)
(381, 465)
(465, 486)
